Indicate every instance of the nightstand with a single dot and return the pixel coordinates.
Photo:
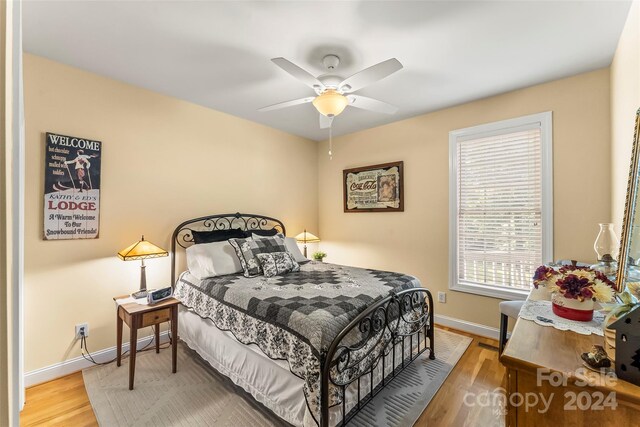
(138, 316)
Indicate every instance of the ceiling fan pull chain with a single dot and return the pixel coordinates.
(330, 141)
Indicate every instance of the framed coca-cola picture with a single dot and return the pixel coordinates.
(376, 188)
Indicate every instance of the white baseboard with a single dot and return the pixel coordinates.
(463, 325)
(76, 364)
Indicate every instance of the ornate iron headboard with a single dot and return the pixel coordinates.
(183, 237)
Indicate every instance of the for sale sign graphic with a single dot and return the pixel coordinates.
(71, 187)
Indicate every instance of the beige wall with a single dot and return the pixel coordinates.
(164, 161)
(625, 100)
(416, 241)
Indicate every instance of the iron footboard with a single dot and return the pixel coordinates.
(365, 345)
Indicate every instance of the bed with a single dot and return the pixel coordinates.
(315, 345)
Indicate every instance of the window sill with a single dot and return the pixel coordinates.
(491, 291)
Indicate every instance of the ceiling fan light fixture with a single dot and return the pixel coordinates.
(330, 103)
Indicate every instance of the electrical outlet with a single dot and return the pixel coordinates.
(82, 329)
(442, 297)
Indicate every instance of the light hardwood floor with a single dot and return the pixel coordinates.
(478, 372)
(64, 402)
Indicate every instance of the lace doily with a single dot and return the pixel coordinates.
(541, 313)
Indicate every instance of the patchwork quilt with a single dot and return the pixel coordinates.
(295, 316)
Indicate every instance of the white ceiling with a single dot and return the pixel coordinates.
(217, 53)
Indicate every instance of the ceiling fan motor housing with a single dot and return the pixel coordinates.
(330, 81)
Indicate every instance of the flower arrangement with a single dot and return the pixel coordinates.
(578, 283)
(319, 256)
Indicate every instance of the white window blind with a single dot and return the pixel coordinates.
(499, 206)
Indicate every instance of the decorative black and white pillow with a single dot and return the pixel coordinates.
(276, 263)
(264, 233)
(257, 236)
(248, 248)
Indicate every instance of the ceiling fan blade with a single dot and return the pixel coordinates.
(370, 75)
(300, 74)
(325, 122)
(287, 104)
(371, 104)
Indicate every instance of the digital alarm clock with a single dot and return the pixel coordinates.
(156, 295)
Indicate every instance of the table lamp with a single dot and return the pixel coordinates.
(141, 250)
(306, 237)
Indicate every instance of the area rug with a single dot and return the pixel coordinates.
(197, 395)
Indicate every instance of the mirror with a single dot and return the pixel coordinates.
(629, 255)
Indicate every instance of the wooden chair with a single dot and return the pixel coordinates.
(507, 309)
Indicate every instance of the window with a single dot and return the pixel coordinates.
(501, 222)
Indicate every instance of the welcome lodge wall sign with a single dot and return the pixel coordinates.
(71, 187)
(377, 188)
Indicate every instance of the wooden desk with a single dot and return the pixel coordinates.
(545, 361)
(138, 316)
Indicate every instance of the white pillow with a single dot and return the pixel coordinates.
(294, 249)
(291, 245)
(212, 259)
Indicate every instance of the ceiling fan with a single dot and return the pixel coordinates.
(333, 93)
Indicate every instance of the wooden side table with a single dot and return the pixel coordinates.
(138, 316)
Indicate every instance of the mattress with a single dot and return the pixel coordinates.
(269, 381)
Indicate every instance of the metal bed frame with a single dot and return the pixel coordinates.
(345, 363)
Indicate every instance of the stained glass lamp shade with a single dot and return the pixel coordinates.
(142, 250)
(306, 237)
